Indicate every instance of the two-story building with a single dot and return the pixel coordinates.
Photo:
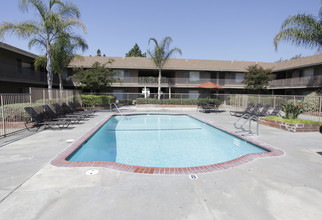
(17, 71)
(295, 77)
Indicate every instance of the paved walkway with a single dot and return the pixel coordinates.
(286, 187)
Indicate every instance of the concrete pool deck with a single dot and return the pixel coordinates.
(284, 187)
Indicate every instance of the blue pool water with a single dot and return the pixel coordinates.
(162, 141)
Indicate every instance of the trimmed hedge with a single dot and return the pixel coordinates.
(177, 101)
(97, 100)
(125, 101)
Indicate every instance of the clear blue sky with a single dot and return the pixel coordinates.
(202, 29)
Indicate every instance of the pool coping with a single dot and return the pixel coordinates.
(60, 159)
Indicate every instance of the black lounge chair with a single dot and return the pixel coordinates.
(276, 111)
(62, 113)
(68, 110)
(212, 107)
(205, 108)
(264, 111)
(51, 114)
(255, 110)
(78, 107)
(38, 121)
(240, 113)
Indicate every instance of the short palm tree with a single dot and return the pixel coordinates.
(301, 30)
(160, 55)
(53, 19)
(63, 52)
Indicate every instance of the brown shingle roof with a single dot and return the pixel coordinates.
(194, 64)
(298, 63)
(17, 50)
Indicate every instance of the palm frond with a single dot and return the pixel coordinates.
(69, 9)
(301, 30)
(37, 41)
(41, 61)
(37, 4)
(299, 20)
(52, 3)
(22, 30)
(69, 23)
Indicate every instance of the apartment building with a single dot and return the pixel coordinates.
(295, 77)
(17, 71)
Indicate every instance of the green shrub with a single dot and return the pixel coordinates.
(291, 110)
(311, 102)
(293, 121)
(126, 101)
(15, 112)
(97, 100)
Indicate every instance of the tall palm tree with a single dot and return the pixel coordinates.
(53, 19)
(63, 52)
(301, 30)
(160, 54)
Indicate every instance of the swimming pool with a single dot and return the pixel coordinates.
(176, 144)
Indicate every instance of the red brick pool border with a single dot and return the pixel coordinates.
(61, 161)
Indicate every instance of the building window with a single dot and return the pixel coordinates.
(119, 94)
(239, 77)
(194, 76)
(307, 73)
(119, 74)
(19, 65)
(193, 94)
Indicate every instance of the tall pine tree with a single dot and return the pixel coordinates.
(135, 52)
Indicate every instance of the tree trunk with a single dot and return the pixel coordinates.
(60, 86)
(60, 81)
(49, 70)
(159, 85)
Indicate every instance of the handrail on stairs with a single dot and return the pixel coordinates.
(248, 118)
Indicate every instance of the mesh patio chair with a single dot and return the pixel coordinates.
(62, 113)
(240, 113)
(38, 121)
(276, 112)
(68, 110)
(264, 111)
(51, 114)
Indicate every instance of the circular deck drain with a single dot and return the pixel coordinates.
(193, 176)
(70, 140)
(91, 172)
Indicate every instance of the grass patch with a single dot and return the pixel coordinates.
(293, 121)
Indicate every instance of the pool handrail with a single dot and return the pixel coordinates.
(113, 103)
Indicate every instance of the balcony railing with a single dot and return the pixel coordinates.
(13, 73)
(186, 82)
(297, 82)
(22, 74)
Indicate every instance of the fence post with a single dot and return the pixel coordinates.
(30, 96)
(2, 115)
(274, 101)
(43, 97)
(320, 109)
